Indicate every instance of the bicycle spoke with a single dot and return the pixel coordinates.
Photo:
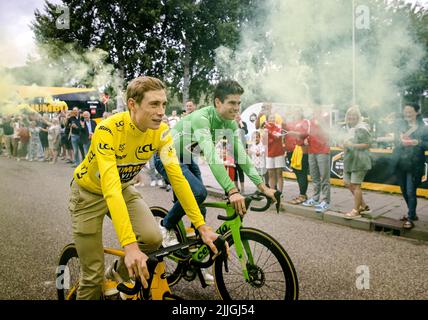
(268, 269)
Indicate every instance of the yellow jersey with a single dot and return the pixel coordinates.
(118, 152)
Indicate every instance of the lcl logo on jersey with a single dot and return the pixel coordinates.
(103, 147)
(143, 149)
(120, 125)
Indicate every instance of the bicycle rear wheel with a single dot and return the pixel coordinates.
(272, 274)
(173, 268)
(68, 273)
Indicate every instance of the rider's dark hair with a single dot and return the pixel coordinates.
(227, 87)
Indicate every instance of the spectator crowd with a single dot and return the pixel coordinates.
(293, 142)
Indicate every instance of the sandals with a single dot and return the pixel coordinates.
(298, 200)
(353, 214)
(365, 210)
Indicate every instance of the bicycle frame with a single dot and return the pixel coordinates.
(231, 225)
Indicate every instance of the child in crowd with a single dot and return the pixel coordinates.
(257, 153)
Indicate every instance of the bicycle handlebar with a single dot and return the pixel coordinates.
(151, 266)
(268, 201)
(252, 197)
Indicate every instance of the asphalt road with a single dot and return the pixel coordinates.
(35, 225)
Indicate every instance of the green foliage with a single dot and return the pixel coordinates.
(176, 40)
(148, 37)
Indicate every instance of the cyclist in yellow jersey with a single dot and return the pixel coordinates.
(102, 184)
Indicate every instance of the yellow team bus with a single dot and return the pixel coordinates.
(55, 99)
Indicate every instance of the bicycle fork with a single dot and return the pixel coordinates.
(242, 247)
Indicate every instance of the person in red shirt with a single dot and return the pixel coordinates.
(297, 134)
(275, 161)
(319, 161)
(24, 139)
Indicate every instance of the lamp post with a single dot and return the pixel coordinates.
(353, 54)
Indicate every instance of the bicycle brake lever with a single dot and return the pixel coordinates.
(220, 244)
(269, 201)
(151, 266)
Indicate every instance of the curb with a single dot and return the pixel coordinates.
(382, 225)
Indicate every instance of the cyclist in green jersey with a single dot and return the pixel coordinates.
(200, 131)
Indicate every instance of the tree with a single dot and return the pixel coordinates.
(415, 87)
(174, 40)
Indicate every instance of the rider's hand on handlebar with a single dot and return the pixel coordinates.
(136, 262)
(208, 237)
(270, 193)
(238, 203)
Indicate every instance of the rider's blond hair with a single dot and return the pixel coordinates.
(138, 86)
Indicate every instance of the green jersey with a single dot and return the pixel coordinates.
(201, 131)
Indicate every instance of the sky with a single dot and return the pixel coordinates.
(16, 37)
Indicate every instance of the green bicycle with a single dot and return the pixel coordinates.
(258, 267)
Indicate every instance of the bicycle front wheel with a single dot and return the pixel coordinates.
(271, 272)
(68, 273)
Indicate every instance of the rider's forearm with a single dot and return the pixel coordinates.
(203, 228)
(232, 191)
(262, 187)
(131, 247)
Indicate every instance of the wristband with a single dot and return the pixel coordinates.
(232, 194)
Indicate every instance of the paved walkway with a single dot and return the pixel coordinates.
(386, 208)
